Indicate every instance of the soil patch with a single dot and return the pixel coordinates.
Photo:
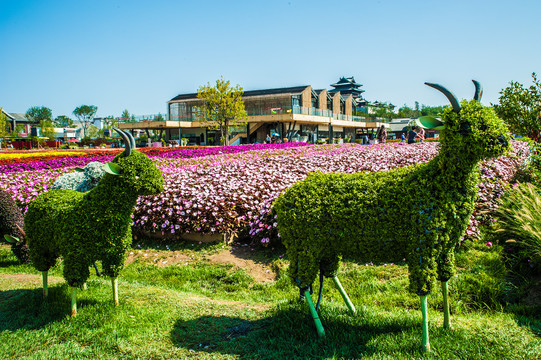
(240, 258)
(29, 279)
(259, 271)
(158, 258)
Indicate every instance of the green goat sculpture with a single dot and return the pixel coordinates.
(91, 226)
(417, 213)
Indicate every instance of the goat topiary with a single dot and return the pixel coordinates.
(94, 225)
(417, 213)
(11, 225)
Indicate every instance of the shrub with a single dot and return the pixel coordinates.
(519, 228)
(11, 223)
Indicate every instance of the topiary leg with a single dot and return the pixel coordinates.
(424, 310)
(114, 282)
(345, 296)
(73, 301)
(446, 313)
(315, 316)
(44, 278)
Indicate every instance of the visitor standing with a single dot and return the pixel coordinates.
(411, 136)
(268, 139)
(403, 137)
(382, 134)
(421, 135)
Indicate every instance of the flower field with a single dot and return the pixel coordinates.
(231, 189)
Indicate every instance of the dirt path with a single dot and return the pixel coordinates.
(26, 280)
(238, 257)
(260, 272)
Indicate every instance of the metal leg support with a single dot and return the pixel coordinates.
(44, 278)
(446, 313)
(426, 344)
(317, 321)
(345, 296)
(114, 282)
(73, 301)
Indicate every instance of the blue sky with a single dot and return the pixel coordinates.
(137, 55)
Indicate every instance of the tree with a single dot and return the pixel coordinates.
(38, 113)
(4, 127)
(92, 131)
(47, 129)
(222, 107)
(110, 122)
(431, 110)
(520, 108)
(63, 121)
(407, 112)
(125, 117)
(85, 115)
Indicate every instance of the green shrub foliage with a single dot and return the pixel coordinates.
(11, 223)
(90, 226)
(519, 227)
(417, 213)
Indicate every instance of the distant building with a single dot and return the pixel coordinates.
(298, 113)
(19, 120)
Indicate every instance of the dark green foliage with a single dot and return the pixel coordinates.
(417, 213)
(91, 226)
(518, 229)
(11, 223)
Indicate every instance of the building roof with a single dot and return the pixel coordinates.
(285, 90)
(347, 86)
(19, 117)
(346, 82)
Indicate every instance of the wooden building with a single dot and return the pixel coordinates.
(298, 113)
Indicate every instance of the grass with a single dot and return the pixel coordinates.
(198, 309)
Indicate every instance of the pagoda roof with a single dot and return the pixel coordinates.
(346, 82)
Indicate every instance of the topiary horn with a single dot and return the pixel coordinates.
(452, 98)
(132, 139)
(126, 141)
(478, 90)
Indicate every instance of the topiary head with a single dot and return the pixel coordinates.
(135, 170)
(469, 128)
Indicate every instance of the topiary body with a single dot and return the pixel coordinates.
(417, 213)
(11, 223)
(90, 226)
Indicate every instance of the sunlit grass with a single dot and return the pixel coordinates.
(217, 311)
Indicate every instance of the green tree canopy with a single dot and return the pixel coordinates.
(222, 107)
(110, 122)
(93, 131)
(47, 129)
(520, 107)
(4, 126)
(85, 115)
(125, 115)
(38, 113)
(419, 110)
(63, 121)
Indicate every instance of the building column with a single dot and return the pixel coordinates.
(330, 134)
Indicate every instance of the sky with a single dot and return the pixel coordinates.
(137, 55)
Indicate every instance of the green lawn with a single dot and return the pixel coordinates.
(198, 309)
